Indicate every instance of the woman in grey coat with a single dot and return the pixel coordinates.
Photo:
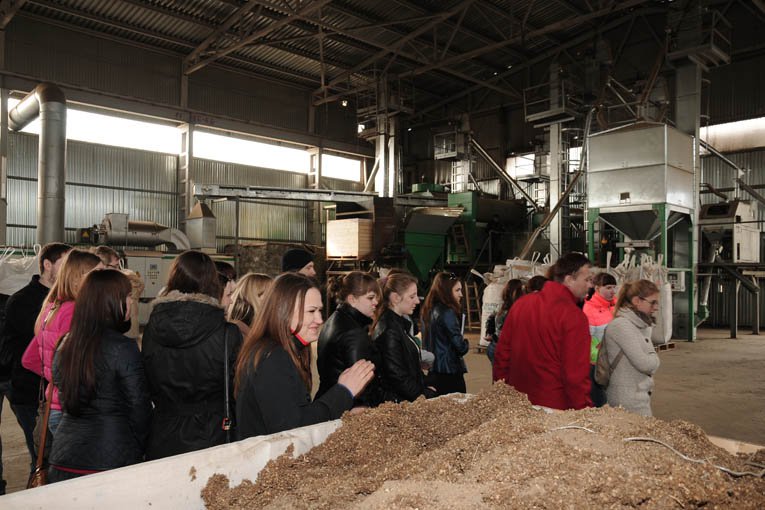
(631, 354)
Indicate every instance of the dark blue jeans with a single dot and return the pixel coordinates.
(597, 392)
(26, 415)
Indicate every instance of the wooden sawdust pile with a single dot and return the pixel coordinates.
(496, 451)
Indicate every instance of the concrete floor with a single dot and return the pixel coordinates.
(716, 383)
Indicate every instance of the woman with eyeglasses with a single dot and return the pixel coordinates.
(631, 354)
(442, 334)
(400, 356)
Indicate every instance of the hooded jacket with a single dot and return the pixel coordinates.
(343, 341)
(444, 339)
(631, 381)
(544, 349)
(111, 428)
(183, 352)
(400, 371)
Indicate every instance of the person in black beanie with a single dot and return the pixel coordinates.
(299, 261)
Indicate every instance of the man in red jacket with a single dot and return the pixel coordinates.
(544, 347)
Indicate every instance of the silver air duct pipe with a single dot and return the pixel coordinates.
(47, 101)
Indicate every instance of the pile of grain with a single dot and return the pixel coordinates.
(496, 451)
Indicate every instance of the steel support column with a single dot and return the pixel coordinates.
(688, 120)
(185, 162)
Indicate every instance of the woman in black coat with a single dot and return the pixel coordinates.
(442, 333)
(102, 385)
(189, 351)
(273, 375)
(344, 339)
(400, 369)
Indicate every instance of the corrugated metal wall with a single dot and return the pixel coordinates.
(242, 97)
(100, 179)
(53, 53)
(276, 220)
(720, 175)
(736, 91)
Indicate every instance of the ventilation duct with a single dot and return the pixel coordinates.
(47, 101)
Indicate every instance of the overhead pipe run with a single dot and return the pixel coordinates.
(48, 102)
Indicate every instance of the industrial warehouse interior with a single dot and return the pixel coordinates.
(463, 144)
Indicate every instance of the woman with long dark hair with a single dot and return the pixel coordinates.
(511, 292)
(273, 371)
(400, 370)
(344, 339)
(442, 333)
(55, 320)
(189, 351)
(101, 381)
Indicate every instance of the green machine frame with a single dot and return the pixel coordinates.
(674, 229)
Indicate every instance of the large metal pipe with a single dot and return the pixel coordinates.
(47, 101)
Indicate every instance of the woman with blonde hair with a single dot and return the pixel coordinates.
(631, 354)
(247, 299)
(273, 371)
(400, 356)
(55, 320)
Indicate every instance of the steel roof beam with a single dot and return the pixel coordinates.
(158, 36)
(539, 58)
(308, 7)
(8, 9)
(219, 33)
(613, 7)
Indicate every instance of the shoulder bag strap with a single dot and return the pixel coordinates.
(617, 359)
(226, 406)
(44, 430)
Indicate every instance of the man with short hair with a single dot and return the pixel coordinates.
(544, 348)
(16, 382)
(299, 261)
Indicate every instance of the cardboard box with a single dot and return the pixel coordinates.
(351, 238)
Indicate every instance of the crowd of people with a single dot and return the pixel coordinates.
(221, 358)
(224, 358)
(551, 333)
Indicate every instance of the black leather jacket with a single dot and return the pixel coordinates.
(400, 372)
(444, 339)
(111, 429)
(343, 341)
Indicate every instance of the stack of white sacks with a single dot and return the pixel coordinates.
(629, 269)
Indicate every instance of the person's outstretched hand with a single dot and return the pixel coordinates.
(357, 376)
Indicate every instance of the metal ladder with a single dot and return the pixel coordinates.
(473, 306)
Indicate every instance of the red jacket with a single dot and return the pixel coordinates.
(548, 338)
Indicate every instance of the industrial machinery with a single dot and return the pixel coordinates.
(117, 230)
(479, 232)
(730, 231)
(640, 182)
(425, 238)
